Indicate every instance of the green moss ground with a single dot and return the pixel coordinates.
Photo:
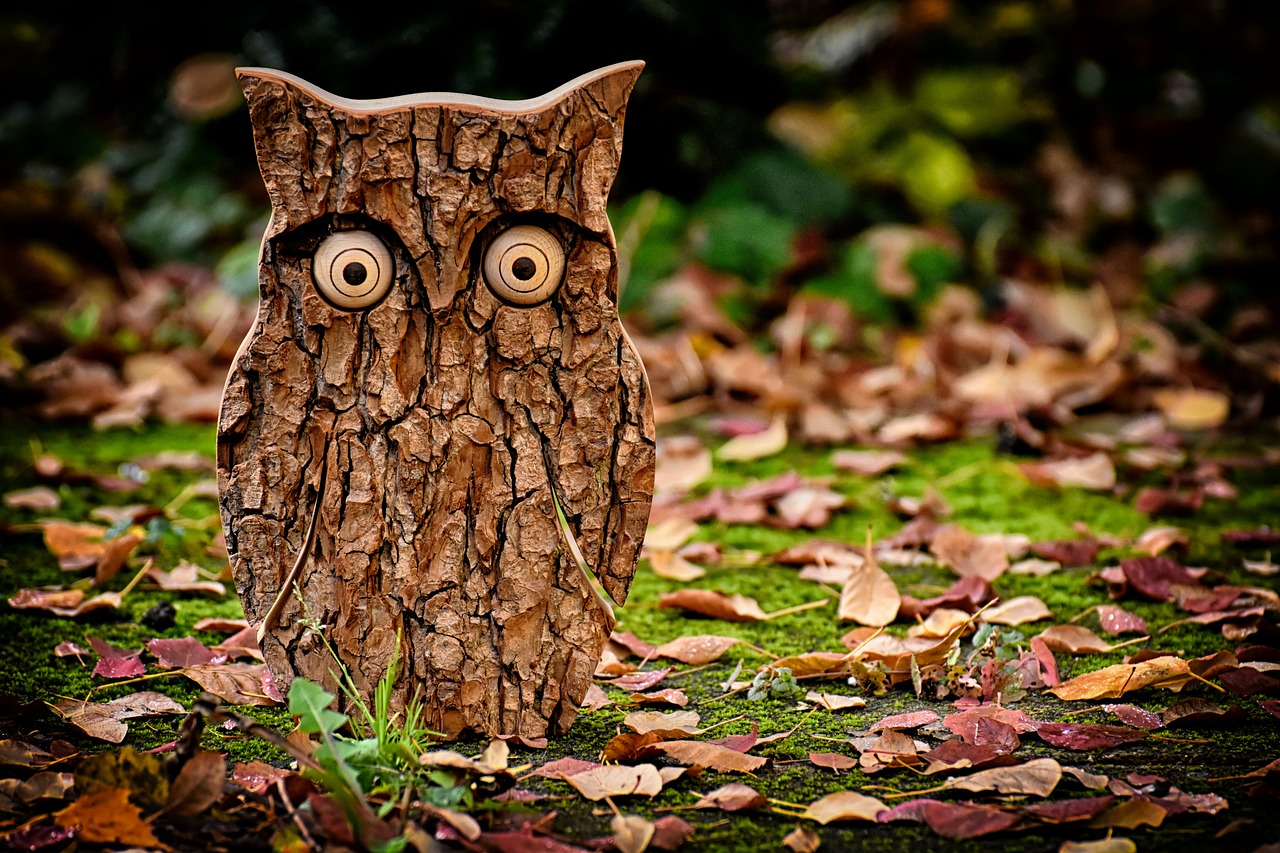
(988, 495)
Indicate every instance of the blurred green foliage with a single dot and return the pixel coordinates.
(765, 141)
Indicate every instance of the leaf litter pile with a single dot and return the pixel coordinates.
(1007, 576)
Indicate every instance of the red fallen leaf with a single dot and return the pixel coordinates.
(1271, 706)
(910, 720)
(237, 683)
(637, 681)
(1196, 712)
(968, 555)
(833, 761)
(68, 648)
(956, 754)
(1246, 681)
(967, 594)
(176, 654)
(242, 644)
(952, 820)
(1153, 501)
(1117, 620)
(596, 698)
(1068, 811)
(1048, 663)
(1087, 736)
(69, 603)
(256, 776)
(739, 743)
(734, 797)
(867, 463)
(670, 832)
(564, 767)
(116, 662)
(1262, 537)
(633, 644)
(668, 696)
(1069, 552)
(1153, 577)
(1132, 715)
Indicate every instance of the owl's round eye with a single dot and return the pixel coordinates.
(352, 269)
(524, 265)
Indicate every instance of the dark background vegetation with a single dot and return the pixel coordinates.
(1135, 143)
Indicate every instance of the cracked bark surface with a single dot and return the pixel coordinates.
(449, 422)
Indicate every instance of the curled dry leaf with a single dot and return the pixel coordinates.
(198, 784)
(616, 781)
(674, 724)
(832, 761)
(1086, 736)
(717, 605)
(1116, 620)
(179, 653)
(76, 546)
(104, 815)
(802, 840)
(68, 603)
(869, 596)
(105, 720)
(185, 577)
(1112, 682)
(237, 683)
(696, 650)
(1096, 472)
(834, 701)
(1075, 639)
(38, 498)
(845, 805)
(1192, 408)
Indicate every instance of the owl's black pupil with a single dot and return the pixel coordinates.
(354, 273)
(524, 268)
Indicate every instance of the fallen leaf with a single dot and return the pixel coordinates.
(802, 840)
(834, 701)
(909, 720)
(867, 463)
(256, 776)
(717, 605)
(1017, 611)
(116, 662)
(674, 724)
(1068, 811)
(845, 805)
(734, 797)
(616, 781)
(1112, 682)
(1192, 408)
(1096, 472)
(869, 597)
(952, 820)
(1116, 620)
(670, 565)
(670, 832)
(1114, 844)
(237, 683)
(666, 696)
(745, 448)
(636, 681)
(1037, 777)
(68, 603)
(1087, 736)
(806, 507)
(1132, 715)
(696, 650)
(1076, 639)
(833, 761)
(721, 759)
(179, 653)
(198, 784)
(1130, 814)
(631, 833)
(968, 555)
(185, 577)
(105, 720)
(76, 546)
(105, 816)
(114, 554)
(38, 498)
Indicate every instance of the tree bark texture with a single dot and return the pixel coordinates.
(448, 422)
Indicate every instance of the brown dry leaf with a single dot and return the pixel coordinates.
(1129, 814)
(114, 554)
(1156, 540)
(806, 507)
(198, 784)
(697, 650)
(745, 448)
(734, 797)
(185, 577)
(68, 603)
(939, 623)
(1017, 611)
(845, 805)
(76, 546)
(674, 724)
(631, 833)
(832, 761)
(1115, 844)
(968, 555)
(869, 596)
(721, 759)
(596, 698)
(221, 625)
(717, 605)
(1037, 778)
(834, 701)
(1112, 682)
(1075, 639)
(1192, 408)
(802, 840)
(672, 566)
(617, 781)
(38, 498)
(237, 683)
(105, 720)
(104, 815)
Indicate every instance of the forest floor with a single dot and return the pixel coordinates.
(1179, 763)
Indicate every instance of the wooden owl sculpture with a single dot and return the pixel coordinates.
(437, 424)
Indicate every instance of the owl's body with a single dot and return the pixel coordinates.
(449, 412)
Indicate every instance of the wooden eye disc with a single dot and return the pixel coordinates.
(352, 270)
(524, 265)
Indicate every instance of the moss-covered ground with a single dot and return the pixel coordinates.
(987, 494)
